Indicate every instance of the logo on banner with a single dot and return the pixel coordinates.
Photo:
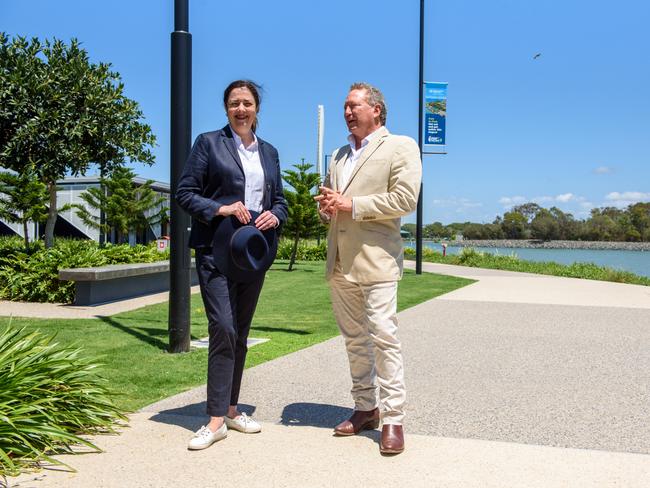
(435, 116)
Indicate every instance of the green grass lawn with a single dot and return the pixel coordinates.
(294, 312)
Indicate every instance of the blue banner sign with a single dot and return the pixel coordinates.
(435, 116)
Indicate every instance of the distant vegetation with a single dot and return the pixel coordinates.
(530, 221)
(476, 259)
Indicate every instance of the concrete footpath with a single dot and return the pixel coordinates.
(517, 380)
(62, 311)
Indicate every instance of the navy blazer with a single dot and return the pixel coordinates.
(214, 176)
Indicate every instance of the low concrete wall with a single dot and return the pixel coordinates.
(119, 281)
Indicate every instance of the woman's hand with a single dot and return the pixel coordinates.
(238, 210)
(266, 220)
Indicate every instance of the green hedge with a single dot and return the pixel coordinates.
(33, 275)
(307, 250)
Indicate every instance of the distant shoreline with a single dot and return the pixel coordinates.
(535, 244)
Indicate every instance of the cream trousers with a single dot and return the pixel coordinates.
(367, 317)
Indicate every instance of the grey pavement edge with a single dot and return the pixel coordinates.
(64, 311)
(500, 394)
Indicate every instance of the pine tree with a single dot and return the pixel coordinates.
(303, 220)
(127, 207)
(23, 199)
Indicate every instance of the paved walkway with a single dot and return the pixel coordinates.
(515, 381)
(61, 311)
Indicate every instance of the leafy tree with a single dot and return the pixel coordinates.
(474, 231)
(528, 210)
(303, 220)
(60, 113)
(569, 228)
(410, 228)
(127, 207)
(456, 228)
(435, 231)
(544, 226)
(626, 230)
(600, 227)
(23, 199)
(493, 231)
(514, 225)
(640, 217)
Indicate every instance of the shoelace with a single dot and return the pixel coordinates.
(203, 432)
(245, 419)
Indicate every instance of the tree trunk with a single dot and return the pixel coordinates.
(26, 235)
(294, 250)
(51, 215)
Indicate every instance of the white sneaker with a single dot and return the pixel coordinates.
(243, 423)
(204, 437)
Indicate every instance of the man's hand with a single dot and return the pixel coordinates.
(266, 220)
(331, 202)
(238, 210)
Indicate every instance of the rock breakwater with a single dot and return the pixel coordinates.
(535, 244)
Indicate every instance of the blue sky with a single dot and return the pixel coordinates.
(570, 128)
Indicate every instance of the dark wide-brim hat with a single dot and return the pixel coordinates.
(242, 252)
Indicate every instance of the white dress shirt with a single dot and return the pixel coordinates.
(253, 173)
(353, 158)
(351, 162)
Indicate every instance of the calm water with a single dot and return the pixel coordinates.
(637, 262)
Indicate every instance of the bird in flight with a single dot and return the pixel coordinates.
(537, 55)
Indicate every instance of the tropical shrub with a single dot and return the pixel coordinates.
(49, 396)
(33, 276)
(305, 251)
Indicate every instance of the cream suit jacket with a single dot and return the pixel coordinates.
(384, 186)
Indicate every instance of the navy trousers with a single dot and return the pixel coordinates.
(229, 307)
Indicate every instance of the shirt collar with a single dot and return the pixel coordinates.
(364, 141)
(239, 142)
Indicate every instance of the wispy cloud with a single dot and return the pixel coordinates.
(603, 170)
(456, 202)
(508, 202)
(543, 199)
(565, 197)
(512, 201)
(623, 199)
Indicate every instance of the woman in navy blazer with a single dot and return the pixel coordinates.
(230, 172)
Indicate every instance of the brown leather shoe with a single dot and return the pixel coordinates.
(360, 420)
(392, 439)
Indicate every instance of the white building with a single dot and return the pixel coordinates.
(69, 225)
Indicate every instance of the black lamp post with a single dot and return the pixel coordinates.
(181, 133)
(418, 228)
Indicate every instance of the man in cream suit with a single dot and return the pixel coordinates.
(371, 183)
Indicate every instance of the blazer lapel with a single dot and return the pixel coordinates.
(264, 161)
(229, 142)
(374, 144)
(338, 169)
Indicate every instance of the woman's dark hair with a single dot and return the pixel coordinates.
(254, 89)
